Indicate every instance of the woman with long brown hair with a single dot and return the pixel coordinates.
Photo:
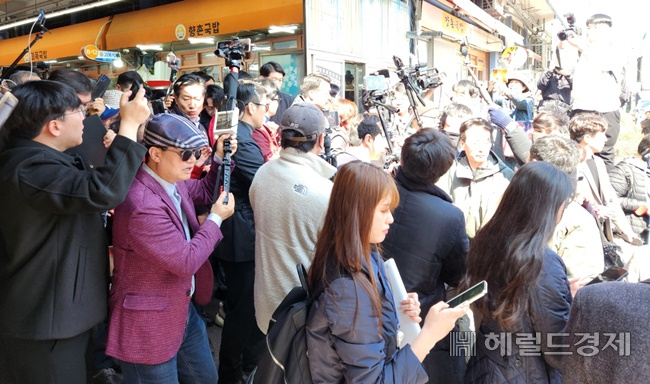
(352, 329)
(528, 298)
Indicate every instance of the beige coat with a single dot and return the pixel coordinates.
(577, 240)
(477, 193)
(603, 194)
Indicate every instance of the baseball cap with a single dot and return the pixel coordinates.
(168, 130)
(306, 119)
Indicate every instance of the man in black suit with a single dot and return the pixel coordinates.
(273, 71)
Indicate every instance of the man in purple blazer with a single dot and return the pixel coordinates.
(161, 259)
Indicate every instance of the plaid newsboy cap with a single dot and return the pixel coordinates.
(168, 130)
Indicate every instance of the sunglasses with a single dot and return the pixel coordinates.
(187, 154)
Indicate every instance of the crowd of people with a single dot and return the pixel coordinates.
(532, 202)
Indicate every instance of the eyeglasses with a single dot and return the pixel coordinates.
(266, 106)
(187, 154)
(82, 109)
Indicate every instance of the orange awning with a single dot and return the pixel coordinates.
(199, 18)
(55, 44)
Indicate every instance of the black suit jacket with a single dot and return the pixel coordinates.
(238, 242)
(285, 102)
(53, 249)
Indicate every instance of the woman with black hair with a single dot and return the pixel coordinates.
(528, 298)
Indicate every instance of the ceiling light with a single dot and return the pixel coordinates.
(283, 29)
(81, 58)
(59, 13)
(50, 61)
(118, 63)
(201, 40)
(149, 47)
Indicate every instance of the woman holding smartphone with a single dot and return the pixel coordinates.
(528, 297)
(352, 329)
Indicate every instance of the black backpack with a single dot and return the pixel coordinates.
(284, 359)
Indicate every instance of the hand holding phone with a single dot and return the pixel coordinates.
(135, 87)
(611, 274)
(100, 87)
(470, 295)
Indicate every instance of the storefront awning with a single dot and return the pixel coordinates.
(474, 11)
(55, 44)
(199, 18)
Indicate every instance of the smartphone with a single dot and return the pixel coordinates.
(333, 118)
(470, 295)
(7, 104)
(375, 83)
(135, 87)
(100, 87)
(225, 122)
(611, 274)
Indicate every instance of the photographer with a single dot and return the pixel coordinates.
(555, 85)
(597, 81)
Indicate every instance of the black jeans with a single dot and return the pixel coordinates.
(44, 361)
(241, 339)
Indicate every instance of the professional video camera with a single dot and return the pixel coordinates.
(425, 78)
(233, 51)
(571, 31)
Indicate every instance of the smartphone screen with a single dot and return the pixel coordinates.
(611, 274)
(333, 118)
(470, 295)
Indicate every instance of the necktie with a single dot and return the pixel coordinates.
(177, 202)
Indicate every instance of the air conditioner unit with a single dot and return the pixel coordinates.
(494, 7)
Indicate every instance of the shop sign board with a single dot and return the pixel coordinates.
(35, 56)
(91, 52)
(453, 24)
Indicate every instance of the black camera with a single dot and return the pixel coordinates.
(424, 77)
(571, 30)
(233, 51)
(428, 78)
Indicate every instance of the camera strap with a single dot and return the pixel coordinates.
(557, 53)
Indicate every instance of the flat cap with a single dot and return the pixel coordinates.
(169, 130)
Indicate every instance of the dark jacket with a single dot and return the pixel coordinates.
(429, 244)
(53, 249)
(238, 244)
(285, 102)
(550, 303)
(613, 313)
(629, 179)
(555, 87)
(343, 338)
(427, 240)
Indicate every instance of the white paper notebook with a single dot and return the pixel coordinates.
(409, 328)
